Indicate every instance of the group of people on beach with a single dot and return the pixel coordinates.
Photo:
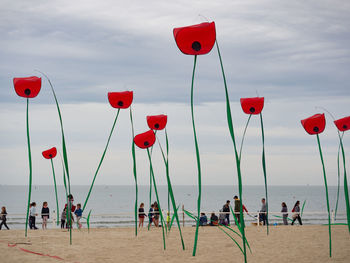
(153, 215)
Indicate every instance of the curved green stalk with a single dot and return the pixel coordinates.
(238, 162)
(302, 209)
(245, 130)
(264, 170)
(134, 167)
(156, 192)
(346, 190)
(150, 184)
(54, 180)
(30, 167)
(88, 220)
(103, 156)
(338, 169)
(231, 239)
(325, 184)
(235, 232)
(198, 161)
(170, 190)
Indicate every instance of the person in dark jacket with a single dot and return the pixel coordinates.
(296, 214)
(203, 220)
(226, 209)
(237, 208)
(214, 220)
(284, 215)
(45, 215)
(3, 218)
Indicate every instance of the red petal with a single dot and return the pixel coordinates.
(343, 124)
(27, 87)
(145, 140)
(120, 100)
(252, 105)
(50, 153)
(157, 122)
(314, 124)
(197, 39)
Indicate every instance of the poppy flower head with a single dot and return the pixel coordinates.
(157, 122)
(145, 140)
(314, 124)
(28, 87)
(343, 124)
(120, 100)
(197, 39)
(252, 105)
(50, 153)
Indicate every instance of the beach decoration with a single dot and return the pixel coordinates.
(28, 87)
(343, 125)
(145, 141)
(237, 156)
(196, 40)
(50, 154)
(315, 125)
(118, 100)
(254, 106)
(158, 122)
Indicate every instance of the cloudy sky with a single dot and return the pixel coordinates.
(294, 53)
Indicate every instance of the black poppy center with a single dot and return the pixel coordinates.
(156, 125)
(146, 143)
(27, 92)
(50, 155)
(316, 129)
(252, 109)
(196, 46)
(345, 126)
(120, 103)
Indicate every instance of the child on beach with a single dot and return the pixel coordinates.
(168, 219)
(150, 215)
(3, 218)
(284, 215)
(141, 214)
(32, 215)
(78, 213)
(45, 215)
(63, 218)
(156, 214)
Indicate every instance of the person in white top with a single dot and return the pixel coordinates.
(32, 215)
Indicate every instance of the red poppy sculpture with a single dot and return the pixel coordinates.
(343, 125)
(145, 141)
(315, 125)
(28, 87)
(158, 122)
(118, 100)
(50, 154)
(254, 106)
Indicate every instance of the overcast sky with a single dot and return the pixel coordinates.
(294, 53)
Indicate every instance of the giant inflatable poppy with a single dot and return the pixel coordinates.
(28, 87)
(145, 141)
(120, 100)
(50, 154)
(252, 105)
(316, 125)
(157, 122)
(196, 39)
(343, 125)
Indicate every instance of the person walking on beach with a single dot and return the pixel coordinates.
(156, 215)
(150, 215)
(45, 215)
(142, 214)
(284, 215)
(63, 218)
(78, 213)
(3, 218)
(226, 209)
(296, 214)
(32, 215)
(263, 211)
(237, 208)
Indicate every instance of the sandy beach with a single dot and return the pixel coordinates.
(284, 244)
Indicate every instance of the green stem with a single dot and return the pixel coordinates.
(134, 167)
(338, 189)
(150, 185)
(245, 130)
(170, 190)
(156, 192)
(238, 162)
(54, 180)
(103, 156)
(346, 189)
(30, 167)
(325, 184)
(198, 162)
(264, 170)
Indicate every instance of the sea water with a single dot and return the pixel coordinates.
(113, 206)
